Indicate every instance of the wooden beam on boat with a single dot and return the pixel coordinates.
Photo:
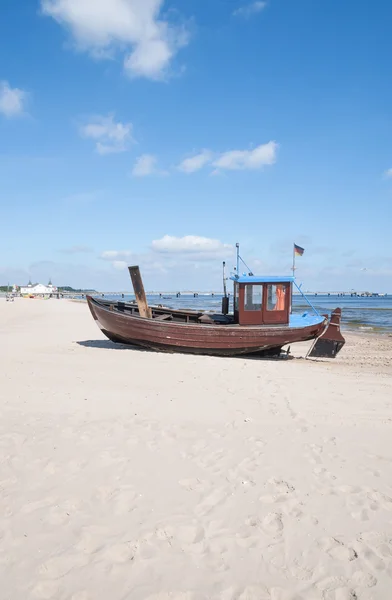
(138, 288)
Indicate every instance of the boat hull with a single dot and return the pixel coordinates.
(218, 340)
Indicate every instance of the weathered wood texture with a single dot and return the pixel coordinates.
(140, 294)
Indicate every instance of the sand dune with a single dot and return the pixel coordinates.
(131, 475)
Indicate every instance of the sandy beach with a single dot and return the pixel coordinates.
(126, 474)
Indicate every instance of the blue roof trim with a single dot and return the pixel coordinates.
(262, 279)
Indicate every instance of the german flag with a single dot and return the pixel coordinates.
(298, 251)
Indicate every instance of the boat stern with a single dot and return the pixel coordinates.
(329, 343)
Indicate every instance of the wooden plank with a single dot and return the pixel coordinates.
(138, 288)
(163, 317)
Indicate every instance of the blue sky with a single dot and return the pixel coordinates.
(162, 132)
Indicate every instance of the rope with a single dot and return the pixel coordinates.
(242, 260)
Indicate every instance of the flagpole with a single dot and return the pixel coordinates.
(291, 289)
(293, 260)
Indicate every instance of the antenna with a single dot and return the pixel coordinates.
(238, 257)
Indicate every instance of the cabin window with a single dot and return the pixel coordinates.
(276, 297)
(253, 296)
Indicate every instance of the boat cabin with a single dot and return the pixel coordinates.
(262, 300)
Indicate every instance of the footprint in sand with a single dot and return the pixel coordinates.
(313, 453)
(257, 442)
(243, 472)
(92, 539)
(374, 472)
(215, 561)
(279, 491)
(185, 533)
(372, 559)
(272, 523)
(190, 534)
(329, 440)
(217, 497)
(360, 515)
(301, 573)
(283, 493)
(361, 503)
(120, 553)
(250, 535)
(324, 475)
(336, 549)
(334, 588)
(247, 537)
(124, 500)
(212, 462)
(364, 580)
(381, 499)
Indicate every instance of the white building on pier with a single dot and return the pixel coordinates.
(38, 289)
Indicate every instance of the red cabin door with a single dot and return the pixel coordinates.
(276, 303)
(251, 304)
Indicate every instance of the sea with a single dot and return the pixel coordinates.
(360, 313)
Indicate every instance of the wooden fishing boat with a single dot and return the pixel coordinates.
(261, 322)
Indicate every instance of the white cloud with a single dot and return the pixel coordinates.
(388, 174)
(195, 163)
(119, 265)
(262, 155)
(120, 259)
(134, 27)
(145, 165)
(250, 9)
(12, 100)
(110, 136)
(190, 244)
